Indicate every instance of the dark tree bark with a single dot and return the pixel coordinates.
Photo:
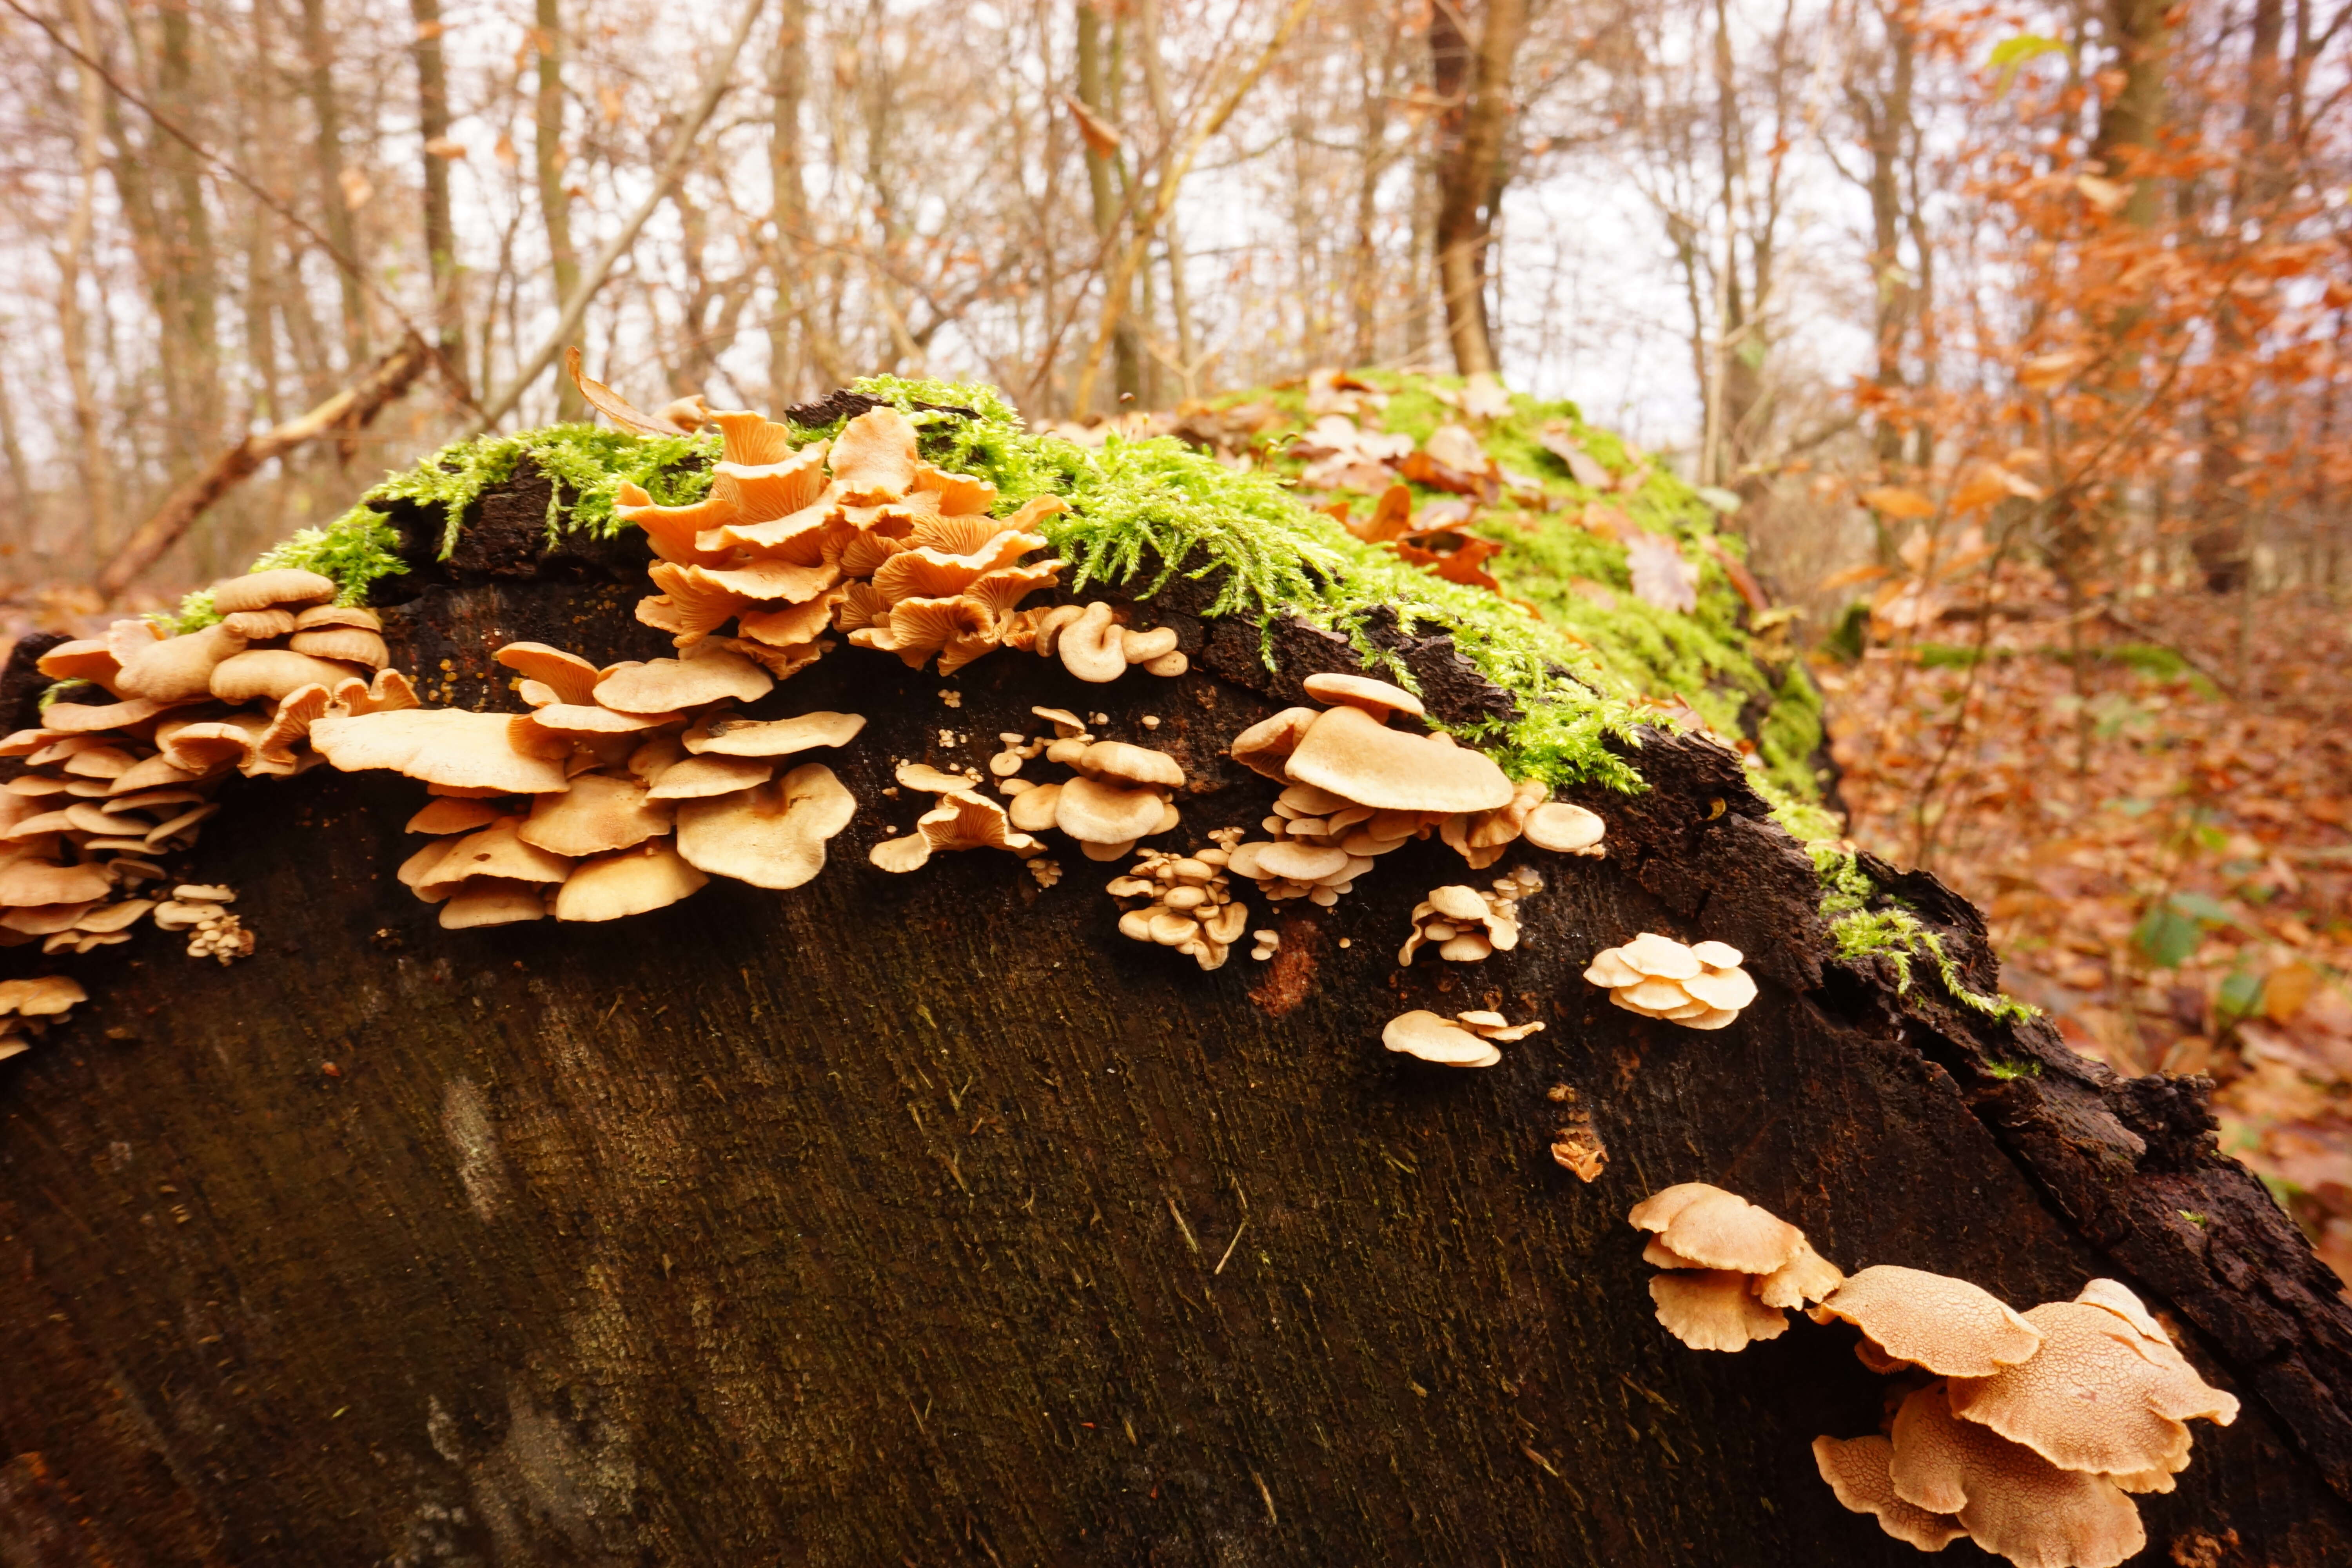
(925, 1219)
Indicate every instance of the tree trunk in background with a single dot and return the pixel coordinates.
(1472, 165)
(927, 1219)
(1094, 91)
(788, 201)
(96, 464)
(440, 235)
(2220, 544)
(190, 291)
(334, 199)
(554, 198)
(1171, 238)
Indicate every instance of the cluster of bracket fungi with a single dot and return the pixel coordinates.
(2026, 1432)
(625, 787)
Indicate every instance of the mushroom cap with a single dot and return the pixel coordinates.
(1353, 754)
(273, 672)
(498, 850)
(694, 778)
(1562, 828)
(1857, 1471)
(259, 626)
(1807, 1277)
(338, 616)
(1093, 812)
(1609, 969)
(933, 780)
(1656, 999)
(266, 590)
(501, 752)
(1933, 1321)
(440, 816)
(1032, 810)
(2095, 1396)
(84, 658)
(1661, 956)
(2011, 1500)
(1089, 647)
(26, 880)
(1717, 1229)
(1295, 862)
(571, 677)
(492, 901)
(1459, 902)
(1713, 1310)
(666, 685)
(1727, 988)
(651, 876)
(1266, 745)
(1438, 1039)
(89, 718)
(1120, 762)
(597, 815)
(732, 737)
(177, 669)
(874, 457)
(588, 718)
(1717, 954)
(770, 836)
(42, 996)
(357, 643)
(2118, 1298)
(1378, 698)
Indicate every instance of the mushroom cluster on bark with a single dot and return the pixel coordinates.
(1699, 986)
(1465, 925)
(961, 818)
(1118, 793)
(28, 1007)
(1094, 642)
(1188, 904)
(2026, 1432)
(1464, 1040)
(623, 789)
(1357, 786)
(857, 536)
(107, 789)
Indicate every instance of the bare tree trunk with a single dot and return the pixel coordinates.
(98, 488)
(1473, 166)
(191, 283)
(787, 200)
(1155, 86)
(554, 196)
(334, 203)
(1094, 91)
(440, 235)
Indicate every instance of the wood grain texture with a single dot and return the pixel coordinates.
(924, 1219)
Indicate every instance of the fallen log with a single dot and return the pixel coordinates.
(927, 1218)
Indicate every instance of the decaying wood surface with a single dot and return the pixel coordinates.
(924, 1219)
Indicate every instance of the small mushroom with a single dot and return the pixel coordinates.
(571, 678)
(445, 816)
(1142, 647)
(1857, 1471)
(667, 684)
(338, 615)
(1948, 1326)
(1714, 1310)
(492, 901)
(1266, 746)
(497, 851)
(274, 672)
(178, 669)
(696, 778)
(259, 626)
(770, 836)
(728, 736)
(1435, 1038)
(962, 819)
(1564, 829)
(356, 644)
(1717, 1229)
(1089, 647)
(1378, 698)
(1660, 978)
(597, 815)
(1098, 814)
(284, 586)
(1354, 755)
(651, 876)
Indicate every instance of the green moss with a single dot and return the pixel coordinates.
(2008, 1070)
(1865, 922)
(60, 690)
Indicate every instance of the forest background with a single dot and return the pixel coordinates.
(2010, 337)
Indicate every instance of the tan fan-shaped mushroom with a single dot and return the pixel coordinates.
(873, 457)
(1354, 755)
(597, 815)
(355, 645)
(1435, 1038)
(1857, 1471)
(1932, 1321)
(609, 886)
(1564, 828)
(178, 669)
(2010, 1500)
(2093, 1395)
(695, 778)
(492, 901)
(1378, 698)
(284, 587)
(960, 820)
(497, 851)
(668, 684)
(723, 734)
(770, 836)
(1714, 1310)
(1700, 987)
(84, 658)
(1266, 746)
(271, 673)
(1717, 1229)
(571, 678)
(501, 752)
